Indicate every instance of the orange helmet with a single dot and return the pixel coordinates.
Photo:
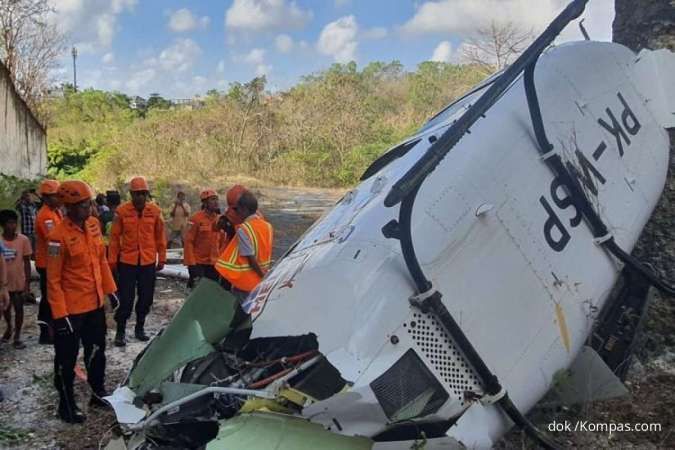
(74, 191)
(207, 193)
(138, 184)
(48, 187)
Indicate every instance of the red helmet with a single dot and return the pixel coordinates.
(48, 187)
(232, 198)
(74, 191)
(138, 184)
(234, 193)
(208, 193)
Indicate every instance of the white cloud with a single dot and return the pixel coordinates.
(140, 79)
(375, 33)
(262, 69)
(338, 39)
(199, 80)
(221, 66)
(258, 15)
(255, 56)
(183, 20)
(465, 16)
(284, 43)
(180, 56)
(443, 52)
(108, 58)
(91, 23)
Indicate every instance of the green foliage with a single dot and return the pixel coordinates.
(11, 188)
(82, 126)
(323, 131)
(158, 102)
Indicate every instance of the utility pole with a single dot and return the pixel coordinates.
(74, 53)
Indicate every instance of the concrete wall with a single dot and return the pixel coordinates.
(23, 140)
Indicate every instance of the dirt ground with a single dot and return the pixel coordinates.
(28, 418)
(28, 413)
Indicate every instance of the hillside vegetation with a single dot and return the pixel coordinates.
(324, 131)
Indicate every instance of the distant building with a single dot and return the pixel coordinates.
(23, 140)
(56, 92)
(188, 103)
(138, 103)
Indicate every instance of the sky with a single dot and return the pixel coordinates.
(182, 48)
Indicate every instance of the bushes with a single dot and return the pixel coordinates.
(324, 131)
(11, 188)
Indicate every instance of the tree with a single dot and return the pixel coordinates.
(157, 101)
(495, 46)
(30, 46)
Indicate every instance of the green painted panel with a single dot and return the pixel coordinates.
(204, 320)
(175, 391)
(263, 431)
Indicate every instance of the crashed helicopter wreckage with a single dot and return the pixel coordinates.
(524, 227)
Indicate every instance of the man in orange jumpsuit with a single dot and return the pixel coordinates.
(137, 251)
(78, 279)
(203, 240)
(48, 217)
(248, 255)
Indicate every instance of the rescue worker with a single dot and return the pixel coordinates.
(203, 240)
(137, 251)
(248, 255)
(48, 217)
(78, 278)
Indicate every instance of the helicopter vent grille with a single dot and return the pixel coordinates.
(442, 353)
(408, 389)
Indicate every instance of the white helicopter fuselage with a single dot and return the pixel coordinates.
(496, 234)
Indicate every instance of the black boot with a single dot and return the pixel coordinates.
(120, 340)
(68, 409)
(97, 401)
(139, 330)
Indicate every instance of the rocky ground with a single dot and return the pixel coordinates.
(28, 421)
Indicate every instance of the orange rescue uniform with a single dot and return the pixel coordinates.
(78, 275)
(46, 220)
(138, 239)
(201, 244)
(234, 267)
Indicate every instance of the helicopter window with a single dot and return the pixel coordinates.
(388, 157)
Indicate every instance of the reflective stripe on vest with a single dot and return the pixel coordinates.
(235, 268)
